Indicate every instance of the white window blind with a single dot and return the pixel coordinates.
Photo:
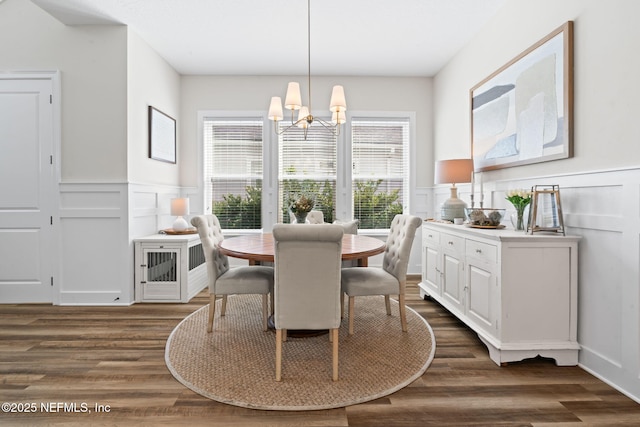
(380, 174)
(233, 171)
(307, 167)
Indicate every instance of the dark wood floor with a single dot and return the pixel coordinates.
(115, 356)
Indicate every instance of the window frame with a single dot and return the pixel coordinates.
(266, 165)
(346, 188)
(278, 139)
(344, 201)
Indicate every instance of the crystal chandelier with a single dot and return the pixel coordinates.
(293, 101)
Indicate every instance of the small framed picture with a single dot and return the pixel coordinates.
(162, 136)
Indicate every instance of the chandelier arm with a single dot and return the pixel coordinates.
(329, 126)
(304, 119)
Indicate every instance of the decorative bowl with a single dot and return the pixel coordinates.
(484, 217)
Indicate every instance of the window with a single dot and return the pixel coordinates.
(251, 174)
(379, 179)
(233, 171)
(307, 168)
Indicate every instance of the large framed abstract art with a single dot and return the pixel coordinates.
(523, 113)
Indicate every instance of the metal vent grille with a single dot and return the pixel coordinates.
(196, 256)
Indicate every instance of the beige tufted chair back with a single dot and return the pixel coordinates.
(396, 255)
(307, 282)
(211, 235)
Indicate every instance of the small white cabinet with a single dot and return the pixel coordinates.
(169, 268)
(517, 291)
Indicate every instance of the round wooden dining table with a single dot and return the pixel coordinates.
(259, 248)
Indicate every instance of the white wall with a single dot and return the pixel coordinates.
(93, 66)
(254, 94)
(599, 185)
(151, 81)
(606, 90)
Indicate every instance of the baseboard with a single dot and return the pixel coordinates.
(93, 298)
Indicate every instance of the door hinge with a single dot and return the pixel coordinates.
(51, 219)
(50, 99)
(51, 280)
(51, 159)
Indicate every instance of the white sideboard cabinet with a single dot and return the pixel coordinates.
(169, 268)
(517, 291)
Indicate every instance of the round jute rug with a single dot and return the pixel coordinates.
(235, 364)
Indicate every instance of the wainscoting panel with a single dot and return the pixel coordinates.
(98, 223)
(151, 210)
(600, 289)
(93, 241)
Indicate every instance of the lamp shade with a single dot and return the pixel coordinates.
(453, 171)
(338, 101)
(275, 109)
(180, 207)
(293, 100)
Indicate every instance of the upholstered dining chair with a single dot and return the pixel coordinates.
(307, 283)
(349, 227)
(314, 217)
(391, 279)
(223, 280)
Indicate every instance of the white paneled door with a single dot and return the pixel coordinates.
(27, 184)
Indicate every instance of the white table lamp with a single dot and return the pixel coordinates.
(451, 172)
(179, 208)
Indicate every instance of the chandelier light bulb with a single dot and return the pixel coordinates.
(303, 122)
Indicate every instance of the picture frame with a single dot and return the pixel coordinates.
(523, 113)
(162, 136)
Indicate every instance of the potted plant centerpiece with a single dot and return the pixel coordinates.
(301, 206)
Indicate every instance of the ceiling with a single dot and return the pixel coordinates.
(269, 37)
